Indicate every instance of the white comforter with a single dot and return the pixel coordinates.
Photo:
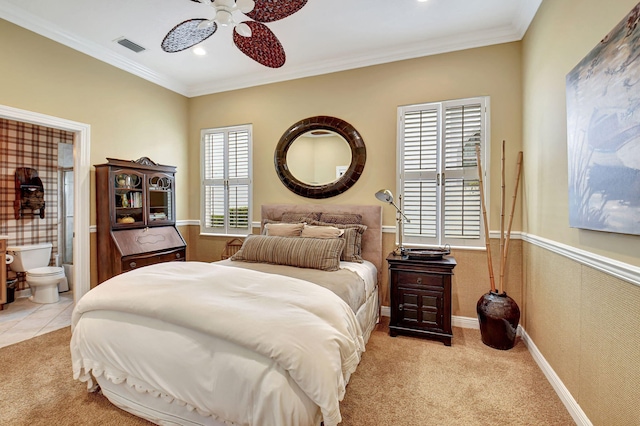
(307, 330)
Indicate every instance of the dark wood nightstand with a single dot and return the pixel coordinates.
(421, 297)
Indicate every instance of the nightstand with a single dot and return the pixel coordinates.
(421, 297)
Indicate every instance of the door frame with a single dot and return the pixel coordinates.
(81, 192)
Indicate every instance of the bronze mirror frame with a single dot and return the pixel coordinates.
(331, 189)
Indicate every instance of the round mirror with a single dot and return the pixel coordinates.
(320, 157)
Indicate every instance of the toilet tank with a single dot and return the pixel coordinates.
(29, 256)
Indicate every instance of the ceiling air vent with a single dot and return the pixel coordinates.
(130, 45)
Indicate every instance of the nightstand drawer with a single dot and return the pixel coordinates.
(419, 279)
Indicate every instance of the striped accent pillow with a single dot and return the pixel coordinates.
(353, 240)
(315, 253)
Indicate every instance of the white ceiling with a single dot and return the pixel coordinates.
(324, 36)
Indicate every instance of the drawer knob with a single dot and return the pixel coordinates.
(132, 264)
(419, 280)
(177, 255)
(400, 307)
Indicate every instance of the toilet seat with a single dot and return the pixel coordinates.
(44, 283)
(46, 271)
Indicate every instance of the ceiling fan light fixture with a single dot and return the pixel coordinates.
(245, 6)
(243, 29)
(224, 17)
(205, 24)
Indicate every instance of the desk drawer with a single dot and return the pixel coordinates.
(138, 261)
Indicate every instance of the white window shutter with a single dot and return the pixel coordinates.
(239, 168)
(438, 178)
(420, 133)
(226, 195)
(463, 127)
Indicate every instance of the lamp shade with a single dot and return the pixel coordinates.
(385, 196)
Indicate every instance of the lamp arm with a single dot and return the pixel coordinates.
(400, 211)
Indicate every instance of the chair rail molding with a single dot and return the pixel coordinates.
(621, 270)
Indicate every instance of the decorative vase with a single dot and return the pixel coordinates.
(498, 315)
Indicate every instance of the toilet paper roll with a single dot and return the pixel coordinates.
(9, 259)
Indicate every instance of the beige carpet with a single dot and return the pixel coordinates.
(401, 381)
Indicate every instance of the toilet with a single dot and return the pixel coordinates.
(42, 279)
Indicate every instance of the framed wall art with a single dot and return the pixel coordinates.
(603, 133)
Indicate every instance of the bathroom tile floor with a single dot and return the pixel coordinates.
(23, 319)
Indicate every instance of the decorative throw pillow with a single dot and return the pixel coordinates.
(311, 231)
(283, 229)
(316, 253)
(293, 217)
(342, 218)
(353, 239)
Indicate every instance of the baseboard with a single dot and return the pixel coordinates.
(385, 311)
(563, 393)
(567, 399)
(462, 322)
(465, 322)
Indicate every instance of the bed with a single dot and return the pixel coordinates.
(252, 340)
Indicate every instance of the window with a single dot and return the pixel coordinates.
(226, 180)
(438, 178)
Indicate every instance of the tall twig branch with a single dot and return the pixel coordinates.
(484, 218)
(513, 208)
(502, 192)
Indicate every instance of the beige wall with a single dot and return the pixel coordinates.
(129, 117)
(585, 323)
(551, 48)
(368, 98)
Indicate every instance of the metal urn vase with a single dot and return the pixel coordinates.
(498, 315)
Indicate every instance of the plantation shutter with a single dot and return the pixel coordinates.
(420, 171)
(227, 180)
(438, 172)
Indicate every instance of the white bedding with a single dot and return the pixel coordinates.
(367, 271)
(232, 367)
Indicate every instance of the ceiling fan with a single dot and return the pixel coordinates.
(253, 38)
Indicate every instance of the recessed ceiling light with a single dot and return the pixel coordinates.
(199, 50)
(423, 1)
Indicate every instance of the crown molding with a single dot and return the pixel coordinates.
(412, 51)
(46, 29)
(510, 33)
(524, 16)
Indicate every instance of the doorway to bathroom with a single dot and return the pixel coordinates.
(80, 251)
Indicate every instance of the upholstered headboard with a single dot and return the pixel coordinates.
(371, 216)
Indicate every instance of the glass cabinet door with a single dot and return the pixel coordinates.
(128, 198)
(160, 188)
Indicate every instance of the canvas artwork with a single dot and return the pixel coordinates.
(603, 130)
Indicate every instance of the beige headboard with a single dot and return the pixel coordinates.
(371, 216)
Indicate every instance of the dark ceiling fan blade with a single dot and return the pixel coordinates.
(274, 10)
(263, 46)
(187, 34)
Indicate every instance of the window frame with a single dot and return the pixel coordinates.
(204, 183)
(441, 106)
